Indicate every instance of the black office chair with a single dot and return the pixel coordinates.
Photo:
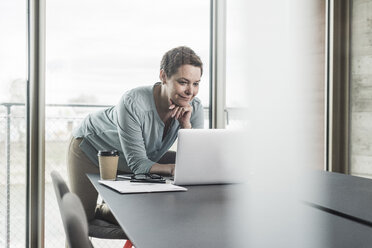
(96, 228)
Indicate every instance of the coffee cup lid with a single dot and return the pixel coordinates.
(108, 153)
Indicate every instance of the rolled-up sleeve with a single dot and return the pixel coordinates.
(131, 136)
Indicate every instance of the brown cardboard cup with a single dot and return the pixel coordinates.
(108, 164)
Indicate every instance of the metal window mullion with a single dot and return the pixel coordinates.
(218, 64)
(36, 125)
(8, 117)
(328, 80)
(338, 96)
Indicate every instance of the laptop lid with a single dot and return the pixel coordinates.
(206, 156)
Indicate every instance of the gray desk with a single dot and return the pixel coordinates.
(216, 216)
(349, 196)
(196, 218)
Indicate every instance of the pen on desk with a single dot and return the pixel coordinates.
(127, 177)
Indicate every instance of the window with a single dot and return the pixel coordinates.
(13, 79)
(238, 64)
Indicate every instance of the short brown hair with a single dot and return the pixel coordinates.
(176, 57)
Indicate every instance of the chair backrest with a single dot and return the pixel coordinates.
(60, 186)
(75, 221)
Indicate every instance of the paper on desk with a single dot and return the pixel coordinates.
(128, 187)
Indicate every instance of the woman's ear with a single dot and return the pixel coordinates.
(163, 76)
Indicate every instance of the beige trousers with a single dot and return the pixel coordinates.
(78, 165)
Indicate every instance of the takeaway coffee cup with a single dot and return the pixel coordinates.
(108, 164)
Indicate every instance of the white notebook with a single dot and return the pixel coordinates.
(126, 187)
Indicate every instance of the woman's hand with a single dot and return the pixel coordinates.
(182, 114)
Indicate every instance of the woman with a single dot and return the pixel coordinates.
(142, 126)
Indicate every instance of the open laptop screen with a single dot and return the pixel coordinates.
(207, 156)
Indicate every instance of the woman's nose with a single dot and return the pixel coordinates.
(189, 90)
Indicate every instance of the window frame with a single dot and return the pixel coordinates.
(338, 86)
(35, 124)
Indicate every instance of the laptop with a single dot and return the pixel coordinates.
(207, 156)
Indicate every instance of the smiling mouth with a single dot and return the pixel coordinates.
(185, 98)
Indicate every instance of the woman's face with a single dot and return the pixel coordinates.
(182, 86)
